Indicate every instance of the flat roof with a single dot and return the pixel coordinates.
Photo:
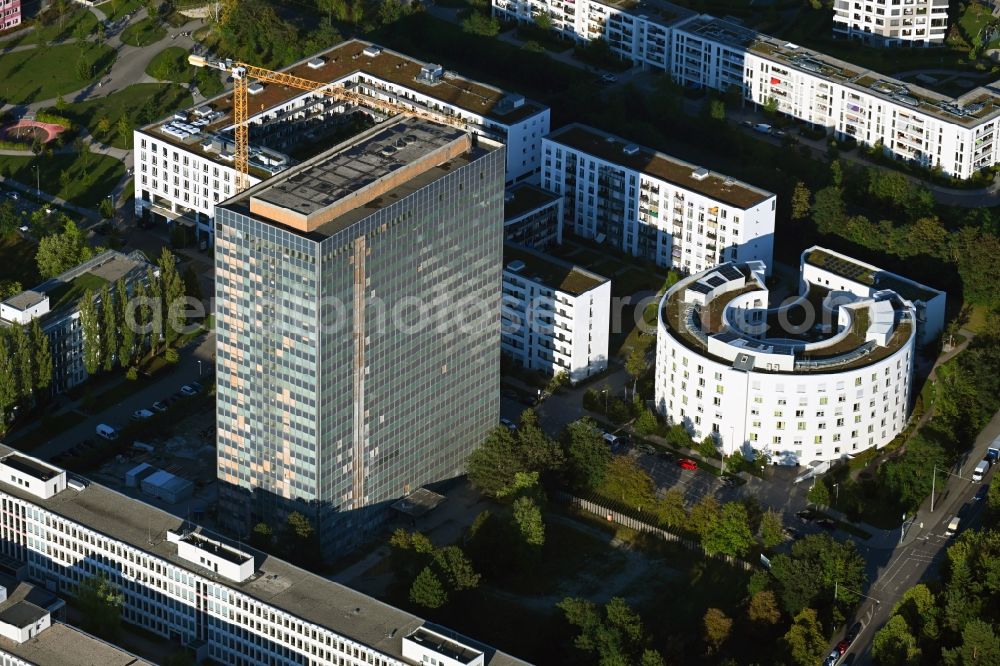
(22, 614)
(30, 467)
(63, 645)
(523, 199)
(611, 148)
(361, 176)
(24, 300)
(865, 273)
(301, 593)
(665, 13)
(552, 272)
(362, 57)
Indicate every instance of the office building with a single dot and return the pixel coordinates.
(56, 304)
(815, 378)
(652, 205)
(185, 163)
(225, 602)
(884, 23)
(532, 217)
(357, 321)
(10, 14)
(555, 316)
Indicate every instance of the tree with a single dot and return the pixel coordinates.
(427, 590)
(704, 516)
(805, 640)
(8, 219)
(301, 539)
(635, 365)
(717, 110)
(669, 509)
(528, 518)
(772, 532)
(8, 382)
(103, 127)
(155, 294)
(22, 357)
(100, 604)
(800, 201)
(10, 288)
(646, 423)
(43, 356)
(124, 128)
(894, 645)
(110, 329)
(763, 607)
(730, 534)
(587, 455)
(717, 627)
(816, 565)
(980, 645)
(918, 607)
(828, 209)
(456, 568)
(173, 295)
(493, 467)
(126, 342)
(333, 8)
(708, 447)
(651, 658)
(544, 20)
(771, 106)
(60, 252)
(91, 330)
(616, 635)
(819, 494)
(262, 536)
(390, 11)
(628, 483)
(484, 25)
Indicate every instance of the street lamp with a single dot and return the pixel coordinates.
(836, 490)
(902, 530)
(38, 187)
(199, 367)
(605, 392)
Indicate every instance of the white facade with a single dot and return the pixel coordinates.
(19, 632)
(885, 23)
(24, 307)
(184, 166)
(832, 270)
(280, 615)
(729, 367)
(34, 476)
(654, 206)
(554, 317)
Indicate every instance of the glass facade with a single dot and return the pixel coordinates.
(356, 367)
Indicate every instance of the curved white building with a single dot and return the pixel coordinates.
(822, 375)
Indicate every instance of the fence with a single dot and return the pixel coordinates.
(634, 523)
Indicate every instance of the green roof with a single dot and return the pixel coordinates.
(68, 293)
(552, 272)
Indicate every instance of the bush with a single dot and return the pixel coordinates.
(171, 355)
(132, 374)
(53, 118)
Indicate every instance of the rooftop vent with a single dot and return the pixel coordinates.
(316, 63)
(255, 88)
(631, 149)
(510, 102)
(701, 173)
(515, 266)
(372, 51)
(430, 74)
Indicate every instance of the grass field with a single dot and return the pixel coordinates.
(89, 177)
(117, 8)
(143, 33)
(46, 72)
(79, 22)
(171, 64)
(142, 103)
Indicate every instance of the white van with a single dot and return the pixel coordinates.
(952, 527)
(107, 432)
(980, 471)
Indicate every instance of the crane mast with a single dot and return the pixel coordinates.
(242, 73)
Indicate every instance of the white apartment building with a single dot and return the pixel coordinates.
(185, 164)
(635, 30)
(892, 22)
(821, 376)
(652, 205)
(230, 604)
(828, 269)
(554, 316)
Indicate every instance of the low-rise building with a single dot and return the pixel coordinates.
(532, 217)
(185, 163)
(884, 23)
(652, 205)
(56, 304)
(10, 14)
(824, 375)
(554, 316)
(226, 602)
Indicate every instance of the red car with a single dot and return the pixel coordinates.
(842, 647)
(687, 463)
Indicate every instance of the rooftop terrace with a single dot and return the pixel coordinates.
(618, 151)
(866, 274)
(549, 271)
(308, 596)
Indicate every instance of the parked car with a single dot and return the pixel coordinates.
(687, 463)
(609, 77)
(106, 431)
(952, 526)
(981, 493)
(832, 658)
(854, 632)
(189, 390)
(160, 406)
(842, 647)
(805, 515)
(141, 414)
(827, 524)
(507, 423)
(197, 386)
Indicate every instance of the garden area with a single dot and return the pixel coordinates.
(47, 72)
(144, 32)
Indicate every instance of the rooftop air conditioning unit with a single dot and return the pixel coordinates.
(631, 149)
(515, 266)
(701, 173)
(316, 63)
(372, 51)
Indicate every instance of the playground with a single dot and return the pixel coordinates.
(28, 131)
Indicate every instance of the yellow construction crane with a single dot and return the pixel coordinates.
(242, 73)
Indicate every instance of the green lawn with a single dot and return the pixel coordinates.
(17, 261)
(142, 103)
(73, 291)
(973, 20)
(144, 32)
(117, 8)
(89, 177)
(80, 21)
(45, 73)
(171, 64)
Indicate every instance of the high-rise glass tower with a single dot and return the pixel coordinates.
(357, 327)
